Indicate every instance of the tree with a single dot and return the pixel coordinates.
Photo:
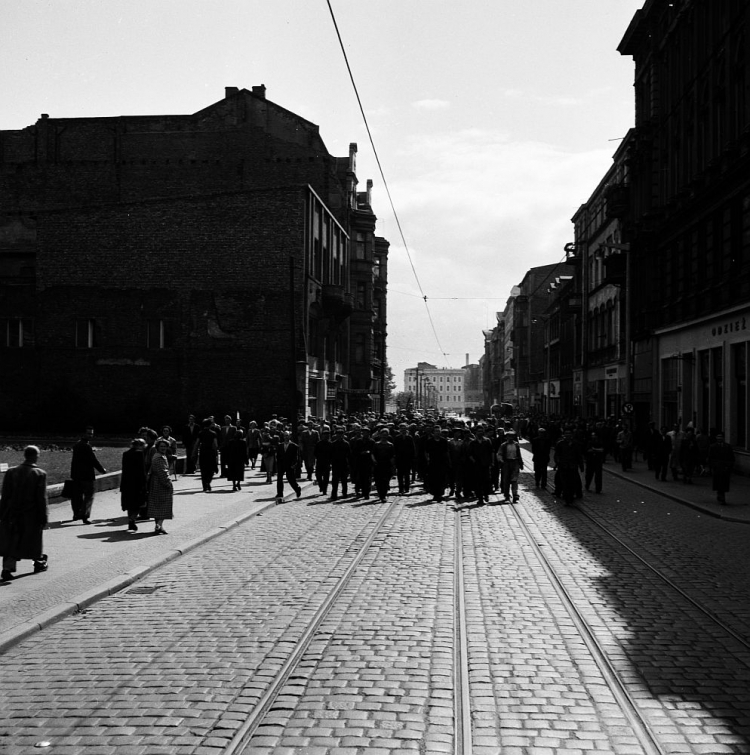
(388, 382)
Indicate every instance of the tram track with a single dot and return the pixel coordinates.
(670, 582)
(645, 734)
(240, 742)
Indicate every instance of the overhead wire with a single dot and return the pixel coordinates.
(382, 175)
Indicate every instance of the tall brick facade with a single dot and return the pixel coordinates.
(153, 266)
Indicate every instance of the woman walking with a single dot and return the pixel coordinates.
(235, 452)
(160, 490)
(133, 482)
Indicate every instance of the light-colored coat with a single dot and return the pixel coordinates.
(160, 490)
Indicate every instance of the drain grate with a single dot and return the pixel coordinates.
(144, 589)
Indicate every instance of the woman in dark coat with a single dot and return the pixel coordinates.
(23, 514)
(235, 456)
(208, 454)
(721, 461)
(133, 482)
(160, 490)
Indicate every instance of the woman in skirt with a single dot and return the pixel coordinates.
(160, 490)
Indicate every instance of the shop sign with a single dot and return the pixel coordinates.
(730, 327)
(331, 394)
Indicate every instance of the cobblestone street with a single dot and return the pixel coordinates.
(334, 627)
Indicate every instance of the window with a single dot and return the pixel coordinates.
(157, 334)
(359, 247)
(16, 332)
(86, 334)
(359, 348)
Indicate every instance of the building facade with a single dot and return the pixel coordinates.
(436, 388)
(152, 266)
(689, 217)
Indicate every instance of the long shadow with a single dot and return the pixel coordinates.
(683, 658)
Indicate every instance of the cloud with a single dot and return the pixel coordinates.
(431, 104)
(478, 209)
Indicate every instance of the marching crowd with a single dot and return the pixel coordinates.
(466, 460)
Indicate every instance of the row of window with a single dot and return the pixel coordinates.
(18, 333)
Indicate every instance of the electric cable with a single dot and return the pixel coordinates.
(382, 175)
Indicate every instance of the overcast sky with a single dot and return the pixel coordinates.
(494, 120)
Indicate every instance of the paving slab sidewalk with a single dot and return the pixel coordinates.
(88, 562)
(697, 496)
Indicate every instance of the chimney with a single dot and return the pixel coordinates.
(260, 91)
(467, 360)
(230, 92)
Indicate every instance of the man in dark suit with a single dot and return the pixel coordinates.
(83, 468)
(340, 461)
(287, 459)
(189, 440)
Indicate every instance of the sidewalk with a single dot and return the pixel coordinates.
(88, 562)
(697, 496)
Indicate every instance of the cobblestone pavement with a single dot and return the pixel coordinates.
(176, 662)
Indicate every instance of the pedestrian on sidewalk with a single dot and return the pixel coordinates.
(83, 468)
(189, 440)
(662, 450)
(625, 444)
(236, 459)
(208, 454)
(160, 490)
(689, 456)
(595, 454)
(253, 443)
(23, 515)
(721, 461)
(133, 482)
(287, 460)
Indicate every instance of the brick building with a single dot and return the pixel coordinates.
(152, 266)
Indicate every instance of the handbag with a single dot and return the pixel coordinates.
(68, 489)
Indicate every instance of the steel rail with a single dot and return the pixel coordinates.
(244, 734)
(462, 741)
(705, 611)
(647, 738)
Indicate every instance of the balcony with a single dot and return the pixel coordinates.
(337, 303)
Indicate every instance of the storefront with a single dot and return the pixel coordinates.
(702, 377)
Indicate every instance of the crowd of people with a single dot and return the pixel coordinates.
(467, 460)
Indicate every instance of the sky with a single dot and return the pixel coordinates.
(493, 120)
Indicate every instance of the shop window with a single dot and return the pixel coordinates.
(739, 357)
(717, 359)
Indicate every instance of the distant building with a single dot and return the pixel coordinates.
(152, 266)
(436, 388)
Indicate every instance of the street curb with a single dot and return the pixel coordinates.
(677, 499)
(23, 631)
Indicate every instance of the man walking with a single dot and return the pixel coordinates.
(23, 515)
(83, 468)
(287, 458)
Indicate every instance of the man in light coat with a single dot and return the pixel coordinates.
(23, 515)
